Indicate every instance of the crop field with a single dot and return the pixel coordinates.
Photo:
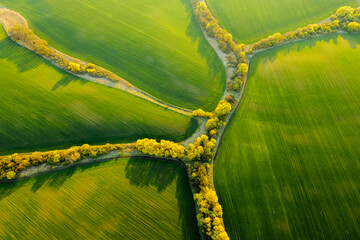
(117, 199)
(288, 167)
(251, 20)
(154, 44)
(42, 106)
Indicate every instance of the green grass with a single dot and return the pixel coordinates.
(118, 199)
(42, 106)
(288, 167)
(154, 44)
(251, 20)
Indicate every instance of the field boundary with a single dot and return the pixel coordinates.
(9, 19)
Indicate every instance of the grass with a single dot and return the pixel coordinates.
(154, 44)
(42, 106)
(288, 167)
(117, 199)
(251, 20)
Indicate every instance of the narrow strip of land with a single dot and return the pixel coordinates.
(10, 19)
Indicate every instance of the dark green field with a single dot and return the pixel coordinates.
(117, 199)
(289, 165)
(251, 20)
(42, 106)
(154, 44)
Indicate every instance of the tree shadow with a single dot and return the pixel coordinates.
(187, 215)
(270, 55)
(23, 58)
(66, 80)
(144, 173)
(195, 33)
(160, 174)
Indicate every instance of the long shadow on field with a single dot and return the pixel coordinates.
(24, 59)
(144, 173)
(160, 174)
(271, 55)
(187, 216)
(204, 49)
(66, 80)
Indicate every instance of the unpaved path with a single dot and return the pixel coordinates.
(9, 19)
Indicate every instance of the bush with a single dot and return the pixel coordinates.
(22, 34)
(12, 165)
(210, 217)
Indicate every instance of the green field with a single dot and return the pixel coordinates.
(288, 167)
(42, 106)
(154, 44)
(118, 199)
(251, 20)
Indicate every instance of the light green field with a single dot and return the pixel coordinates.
(154, 44)
(42, 106)
(289, 167)
(251, 20)
(118, 199)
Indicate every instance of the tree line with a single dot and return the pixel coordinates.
(210, 213)
(12, 165)
(25, 36)
(345, 19)
(226, 44)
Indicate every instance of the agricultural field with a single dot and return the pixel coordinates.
(154, 44)
(42, 106)
(288, 166)
(251, 20)
(118, 199)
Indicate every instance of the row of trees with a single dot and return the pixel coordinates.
(10, 166)
(201, 150)
(345, 18)
(23, 35)
(226, 44)
(217, 117)
(210, 216)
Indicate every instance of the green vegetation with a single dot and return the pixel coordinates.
(288, 165)
(210, 216)
(13, 164)
(43, 106)
(249, 21)
(345, 19)
(117, 199)
(155, 45)
(23, 35)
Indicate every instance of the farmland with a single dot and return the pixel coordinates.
(288, 167)
(249, 21)
(119, 199)
(42, 106)
(155, 45)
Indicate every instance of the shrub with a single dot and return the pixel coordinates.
(210, 217)
(10, 166)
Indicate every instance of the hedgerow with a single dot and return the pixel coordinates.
(345, 19)
(226, 44)
(22, 34)
(210, 217)
(12, 165)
